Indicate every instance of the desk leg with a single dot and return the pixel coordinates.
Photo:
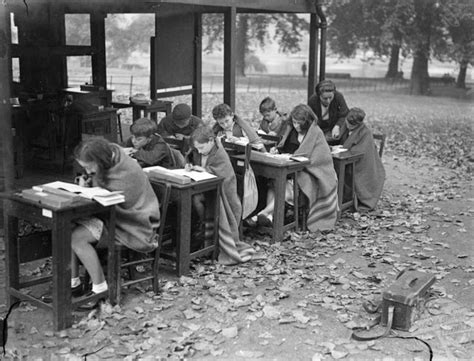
(183, 234)
(12, 264)
(296, 200)
(279, 211)
(354, 195)
(340, 170)
(61, 243)
(136, 113)
(212, 218)
(113, 277)
(168, 109)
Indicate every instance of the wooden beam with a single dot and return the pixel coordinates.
(197, 94)
(230, 21)
(99, 67)
(67, 50)
(313, 54)
(6, 137)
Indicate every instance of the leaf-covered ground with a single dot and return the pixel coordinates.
(299, 299)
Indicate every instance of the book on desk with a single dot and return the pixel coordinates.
(59, 194)
(179, 176)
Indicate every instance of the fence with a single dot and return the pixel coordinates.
(214, 83)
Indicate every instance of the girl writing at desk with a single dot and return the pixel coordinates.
(209, 155)
(318, 181)
(136, 219)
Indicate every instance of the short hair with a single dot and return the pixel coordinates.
(202, 134)
(143, 127)
(355, 116)
(325, 86)
(267, 105)
(303, 114)
(221, 111)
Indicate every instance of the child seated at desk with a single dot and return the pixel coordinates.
(149, 148)
(369, 174)
(209, 155)
(180, 123)
(318, 181)
(137, 218)
(273, 122)
(233, 127)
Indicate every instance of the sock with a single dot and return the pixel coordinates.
(101, 287)
(75, 281)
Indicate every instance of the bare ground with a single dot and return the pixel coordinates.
(299, 298)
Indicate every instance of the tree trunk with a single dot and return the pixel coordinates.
(420, 79)
(242, 44)
(393, 64)
(461, 81)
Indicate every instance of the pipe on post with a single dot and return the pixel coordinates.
(323, 26)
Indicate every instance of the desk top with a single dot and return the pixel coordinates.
(192, 184)
(267, 159)
(80, 204)
(347, 155)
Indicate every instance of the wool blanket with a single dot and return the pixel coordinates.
(318, 181)
(369, 174)
(231, 249)
(139, 216)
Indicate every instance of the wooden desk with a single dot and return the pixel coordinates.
(278, 170)
(154, 107)
(100, 123)
(345, 161)
(59, 220)
(182, 194)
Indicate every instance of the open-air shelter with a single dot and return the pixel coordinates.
(175, 49)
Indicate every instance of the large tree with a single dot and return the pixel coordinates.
(254, 30)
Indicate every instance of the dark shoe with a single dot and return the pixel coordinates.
(264, 221)
(77, 291)
(89, 306)
(250, 222)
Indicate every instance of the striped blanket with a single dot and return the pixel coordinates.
(318, 181)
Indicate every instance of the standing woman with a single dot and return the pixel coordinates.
(318, 181)
(330, 108)
(137, 218)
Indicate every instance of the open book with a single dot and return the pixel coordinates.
(181, 176)
(101, 195)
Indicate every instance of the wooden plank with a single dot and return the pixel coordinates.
(230, 47)
(197, 95)
(99, 67)
(66, 50)
(313, 54)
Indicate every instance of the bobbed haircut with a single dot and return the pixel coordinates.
(202, 134)
(325, 86)
(304, 115)
(221, 111)
(143, 127)
(99, 151)
(267, 105)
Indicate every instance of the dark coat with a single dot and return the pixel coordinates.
(337, 111)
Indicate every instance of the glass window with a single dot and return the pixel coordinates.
(78, 29)
(79, 70)
(16, 70)
(14, 29)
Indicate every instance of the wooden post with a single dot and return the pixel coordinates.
(6, 138)
(99, 67)
(197, 93)
(313, 54)
(230, 17)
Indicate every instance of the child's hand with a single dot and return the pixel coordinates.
(179, 136)
(188, 167)
(198, 168)
(83, 180)
(130, 151)
(274, 150)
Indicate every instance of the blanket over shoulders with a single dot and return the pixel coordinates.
(369, 174)
(231, 249)
(318, 181)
